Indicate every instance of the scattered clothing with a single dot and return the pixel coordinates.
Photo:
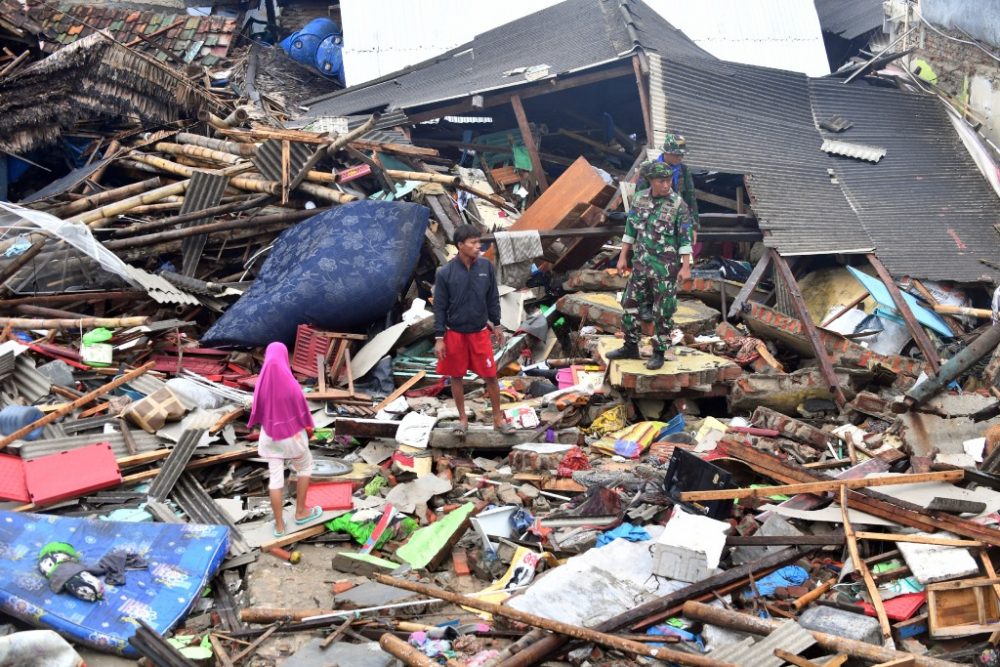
(517, 251)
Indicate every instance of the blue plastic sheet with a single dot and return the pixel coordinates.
(625, 531)
(790, 575)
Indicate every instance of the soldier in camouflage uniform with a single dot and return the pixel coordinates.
(682, 182)
(661, 229)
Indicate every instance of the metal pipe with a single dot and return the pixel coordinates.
(961, 362)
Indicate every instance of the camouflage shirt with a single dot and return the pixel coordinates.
(660, 228)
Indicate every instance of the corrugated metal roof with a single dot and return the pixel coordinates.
(926, 206)
(789, 636)
(144, 442)
(566, 38)
(158, 289)
(757, 121)
(31, 385)
(850, 149)
(200, 508)
(204, 192)
(784, 34)
(849, 18)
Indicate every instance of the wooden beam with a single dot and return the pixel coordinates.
(916, 329)
(793, 659)
(725, 202)
(641, 82)
(920, 539)
(529, 142)
(400, 390)
(825, 365)
(83, 400)
(862, 567)
(750, 285)
(821, 487)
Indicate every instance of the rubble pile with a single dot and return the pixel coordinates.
(812, 477)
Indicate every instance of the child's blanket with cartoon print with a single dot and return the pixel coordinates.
(181, 559)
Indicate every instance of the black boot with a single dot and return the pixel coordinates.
(646, 312)
(626, 351)
(655, 361)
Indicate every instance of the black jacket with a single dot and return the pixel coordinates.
(465, 299)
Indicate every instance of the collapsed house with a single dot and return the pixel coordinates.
(834, 339)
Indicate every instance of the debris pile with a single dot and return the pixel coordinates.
(812, 476)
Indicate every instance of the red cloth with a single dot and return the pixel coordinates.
(467, 351)
(278, 403)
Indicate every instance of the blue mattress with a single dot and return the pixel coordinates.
(341, 270)
(182, 558)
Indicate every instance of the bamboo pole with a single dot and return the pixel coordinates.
(83, 400)
(209, 118)
(254, 201)
(231, 239)
(919, 539)
(341, 142)
(575, 631)
(453, 181)
(198, 152)
(99, 217)
(242, 182)
(225, 225)
(981, 313)
(822, 487)
(107, 196)
(327, 194)
(62, 323)
(410, 655)
(735, 620)
(234, 147)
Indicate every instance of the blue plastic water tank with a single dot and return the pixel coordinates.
(330, 57)
(301, 46)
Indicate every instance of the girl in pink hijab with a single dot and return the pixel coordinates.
(285, 426)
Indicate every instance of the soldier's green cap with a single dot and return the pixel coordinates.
(673, 144)
(655, 169)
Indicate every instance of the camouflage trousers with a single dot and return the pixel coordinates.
(659, 290)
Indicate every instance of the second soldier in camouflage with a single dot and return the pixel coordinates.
(660, 229)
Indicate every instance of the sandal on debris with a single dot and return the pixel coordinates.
(314, 514)
(277, 533)
(506, 429)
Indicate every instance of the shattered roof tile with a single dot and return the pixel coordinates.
(67, 22)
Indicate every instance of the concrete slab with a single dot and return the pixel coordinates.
(602, 310)
(692, 369)
(784, 392)
(341, 654)
(371, 594)
(946, 430)
(706, 290)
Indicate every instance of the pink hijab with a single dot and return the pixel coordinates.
(278, 403)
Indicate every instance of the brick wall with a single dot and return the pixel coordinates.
(963, 71)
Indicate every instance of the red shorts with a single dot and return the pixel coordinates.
(467, 351)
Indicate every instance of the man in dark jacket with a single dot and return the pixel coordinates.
(466, 313)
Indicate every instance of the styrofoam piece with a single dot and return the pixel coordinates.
(680, 563)
(493, 523)
(72, 474)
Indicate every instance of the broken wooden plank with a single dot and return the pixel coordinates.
(862, 567)
(821, 487)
